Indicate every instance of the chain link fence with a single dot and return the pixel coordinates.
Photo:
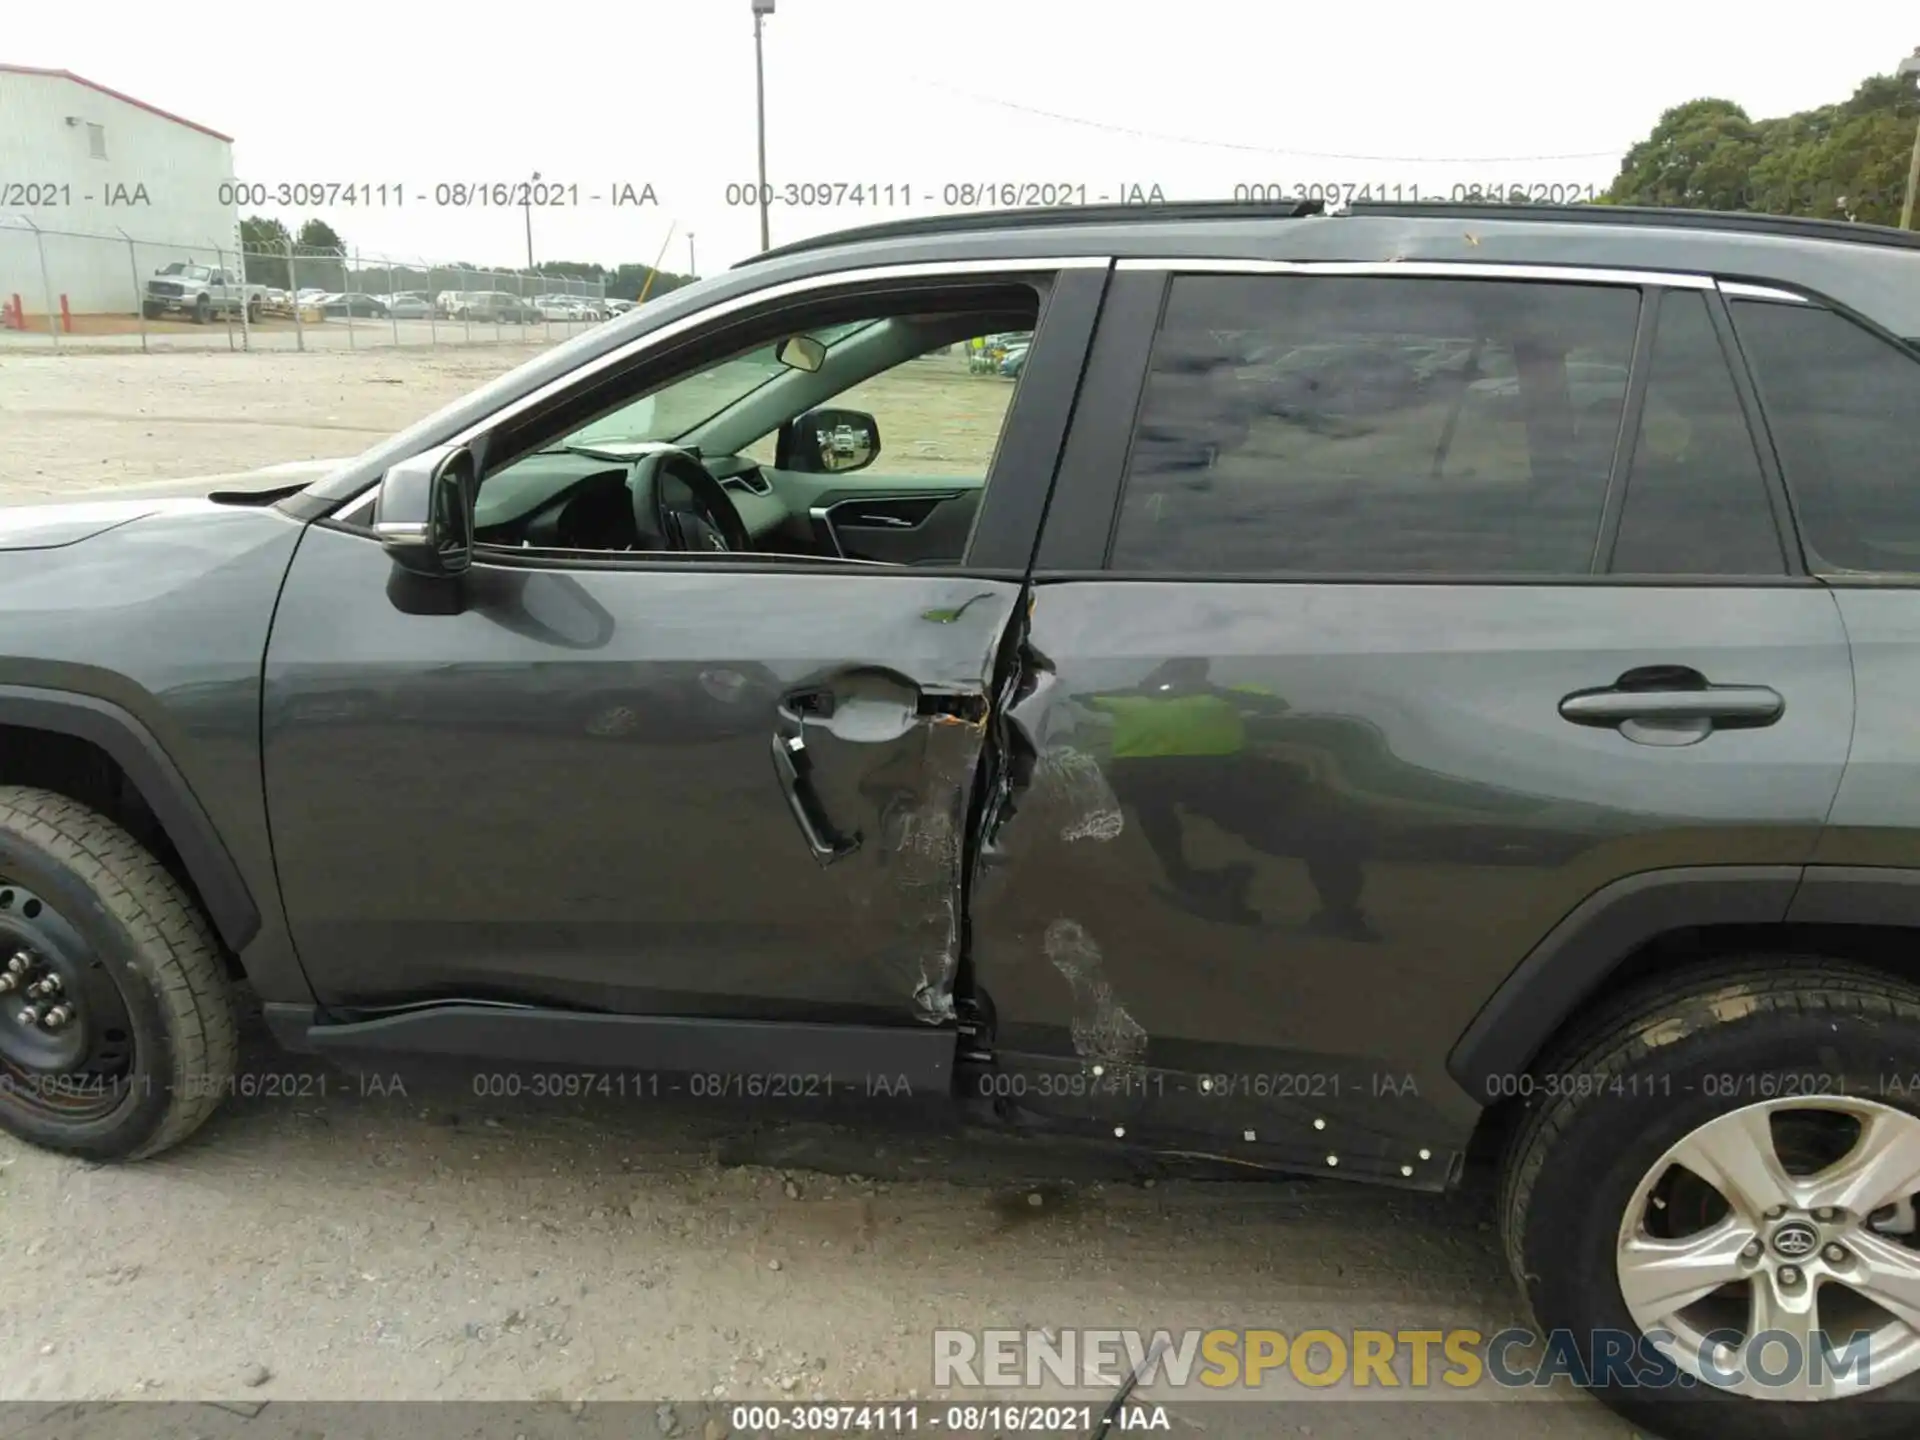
(74, 289)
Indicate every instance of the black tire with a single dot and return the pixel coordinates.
(151, 312)
(1576, 1157)
(253, 312)
(202, 310)
(144, 937)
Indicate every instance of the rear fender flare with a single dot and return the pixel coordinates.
(1572, 962)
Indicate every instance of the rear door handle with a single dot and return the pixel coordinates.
(1672, 705)
(1751, 704)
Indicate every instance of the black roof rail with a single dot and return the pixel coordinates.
(1046, 216)
(1743, 221)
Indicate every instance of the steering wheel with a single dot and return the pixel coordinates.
(678, 505)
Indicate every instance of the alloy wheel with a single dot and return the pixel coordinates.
(1776, 1228)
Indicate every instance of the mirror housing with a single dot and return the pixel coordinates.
(828, 441)
(423, 515)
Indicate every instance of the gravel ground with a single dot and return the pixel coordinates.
(83, 421)
(332, 1238)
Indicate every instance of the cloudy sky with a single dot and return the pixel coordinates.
(1195, 97)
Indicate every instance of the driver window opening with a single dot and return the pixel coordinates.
(869, 440)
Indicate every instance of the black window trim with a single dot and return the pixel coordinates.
(1639, 379)
(675, 334)
(1092, 469)
(1757, 293)
(1004, 534)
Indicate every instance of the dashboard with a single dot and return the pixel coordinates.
(576, 502)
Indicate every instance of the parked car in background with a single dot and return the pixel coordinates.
(618, 307)
(199, 292)
(409, 306)
(1012, 361)
(573, 309)
(495, 307)
(370, 306)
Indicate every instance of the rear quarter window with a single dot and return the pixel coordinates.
(1843, 406)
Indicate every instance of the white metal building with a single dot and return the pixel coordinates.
(94, 169)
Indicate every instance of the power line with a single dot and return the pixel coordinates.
(1160, 135)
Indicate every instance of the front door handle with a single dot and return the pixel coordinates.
(1673, 707)
(794, 767)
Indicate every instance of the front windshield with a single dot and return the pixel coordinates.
(689, 402)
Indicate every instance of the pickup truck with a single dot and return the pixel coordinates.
(201, 292)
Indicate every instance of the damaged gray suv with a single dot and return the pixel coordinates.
(1371, 687)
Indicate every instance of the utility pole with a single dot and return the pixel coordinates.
(692, 269)
(1910, 67)
(761, 9)
(536, 180)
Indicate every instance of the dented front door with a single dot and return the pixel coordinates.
(585, 788)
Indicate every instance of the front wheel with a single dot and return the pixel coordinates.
(202, 310)
(117, 1034)
(1710, 1202)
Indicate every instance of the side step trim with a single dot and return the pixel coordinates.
(853, 1055)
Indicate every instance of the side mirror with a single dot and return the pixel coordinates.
(828, 442)
(423, 515)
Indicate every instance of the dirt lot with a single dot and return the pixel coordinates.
(329, 1238)
(95, 419)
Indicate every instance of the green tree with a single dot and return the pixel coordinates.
(320, 257)
(1699, 157)
(628, 281)
(317, 236)
(1842, 161)
(264, 243)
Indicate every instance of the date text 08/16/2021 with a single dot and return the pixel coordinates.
(805, 195)
(455, 194)
(1029, 194)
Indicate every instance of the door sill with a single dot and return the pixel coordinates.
(867, 1056)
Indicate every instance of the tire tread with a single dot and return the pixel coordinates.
(169, 930)
(1613, 1040)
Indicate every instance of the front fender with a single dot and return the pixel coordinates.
(230, 904)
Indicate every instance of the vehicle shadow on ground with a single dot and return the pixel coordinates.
(419, 1234)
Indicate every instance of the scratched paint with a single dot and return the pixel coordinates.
(922, 850)
(1072, 781)
(1102, 1029)
(1074, 792)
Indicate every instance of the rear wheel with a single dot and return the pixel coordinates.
(1711, 1196)
(117, 1035)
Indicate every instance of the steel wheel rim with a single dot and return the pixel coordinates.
(80, 1069)
(1776, 1240)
